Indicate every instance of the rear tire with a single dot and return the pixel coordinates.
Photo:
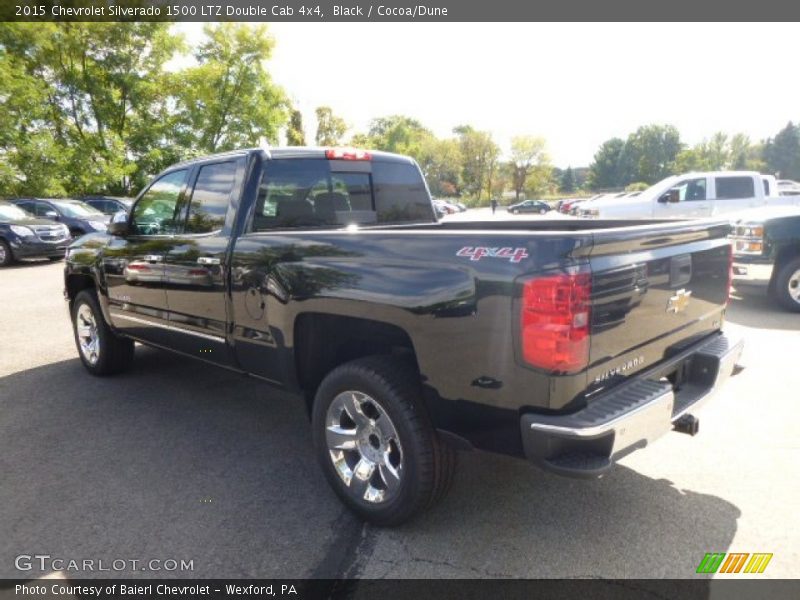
(6, 256)
(786, 288)
(542, 211)
(375, 442)
(102, 352)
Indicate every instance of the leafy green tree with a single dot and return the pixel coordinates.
(397, 133)
(604, 170)
(95, 95)
(651, 151)
(782, 153)
(229, 100)
(330, 128)
(568, 181)
(527, 152)
(479, 155)
(441, 161)
(295, 135)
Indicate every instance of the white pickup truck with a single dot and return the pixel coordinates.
(693, 195)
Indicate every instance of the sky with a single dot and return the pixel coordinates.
(575, 84)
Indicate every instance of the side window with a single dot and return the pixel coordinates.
(734, 188)
(211, 197)
(400, 193)
(154, 213)
(40, 209)
(692, 189)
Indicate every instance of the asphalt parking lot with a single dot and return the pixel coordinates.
(178, 460)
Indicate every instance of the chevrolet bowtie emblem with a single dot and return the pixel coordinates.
(679, 301)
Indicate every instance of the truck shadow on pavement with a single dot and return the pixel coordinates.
(179, 460)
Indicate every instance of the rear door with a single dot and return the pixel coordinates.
(734, 193)
(195, 265)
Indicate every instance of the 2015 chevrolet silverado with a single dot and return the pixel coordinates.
(570, 343)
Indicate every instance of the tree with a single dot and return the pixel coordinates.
(397, 133)
(527, 152)
(650, 151)
(330, 128)
(568, 181)
(440, 161)
(604, 170)
(782, 153)
(229, 100)
(86, 103)
(295, 135)
(478, 155)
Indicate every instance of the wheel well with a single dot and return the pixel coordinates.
(323, 342)
(76, 283)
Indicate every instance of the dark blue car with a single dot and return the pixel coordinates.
(24, 236)
(78, 216)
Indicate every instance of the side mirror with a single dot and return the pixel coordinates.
(51, 214)
(118, 225)
(672, 196)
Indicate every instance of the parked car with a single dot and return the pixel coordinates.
(22, 235)
(766, 253)
(444, 208)
(78, 216)
(529, 206)
(328, 275)
(693, 195)
(109, 205)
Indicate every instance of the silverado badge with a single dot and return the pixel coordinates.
(679, 301)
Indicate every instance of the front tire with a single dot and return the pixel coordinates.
(787, 285)
(542, 211)
(102, 352)
(6, 257)
(375, 442)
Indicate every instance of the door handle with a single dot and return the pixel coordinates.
(208, 260)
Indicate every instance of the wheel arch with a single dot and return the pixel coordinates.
(322, 342)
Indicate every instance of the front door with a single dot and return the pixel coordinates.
(134, 265)
(195, 269)
(693, 200)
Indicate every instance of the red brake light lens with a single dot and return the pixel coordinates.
(347, 154)
(555, 321)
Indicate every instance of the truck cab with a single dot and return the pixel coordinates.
(693, 195)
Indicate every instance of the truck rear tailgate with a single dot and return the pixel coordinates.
(653, 288)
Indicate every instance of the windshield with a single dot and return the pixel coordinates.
(9, 212)
(78, 210)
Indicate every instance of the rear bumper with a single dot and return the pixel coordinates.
(630, 416)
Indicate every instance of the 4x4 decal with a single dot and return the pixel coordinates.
(515, 255)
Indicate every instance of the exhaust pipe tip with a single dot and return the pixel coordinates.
(688, 424)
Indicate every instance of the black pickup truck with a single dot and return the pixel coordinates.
(766, 246)
(567, 342)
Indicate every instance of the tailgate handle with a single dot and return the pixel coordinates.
(680, 270)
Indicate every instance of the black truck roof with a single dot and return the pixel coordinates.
(296, 152)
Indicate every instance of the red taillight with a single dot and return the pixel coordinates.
(347, 154)
(554, 321)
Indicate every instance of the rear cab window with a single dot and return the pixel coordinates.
(317, 192)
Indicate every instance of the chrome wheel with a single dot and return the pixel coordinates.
(794, 286)
(88, 338)
(364, 447)
(3, 254)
